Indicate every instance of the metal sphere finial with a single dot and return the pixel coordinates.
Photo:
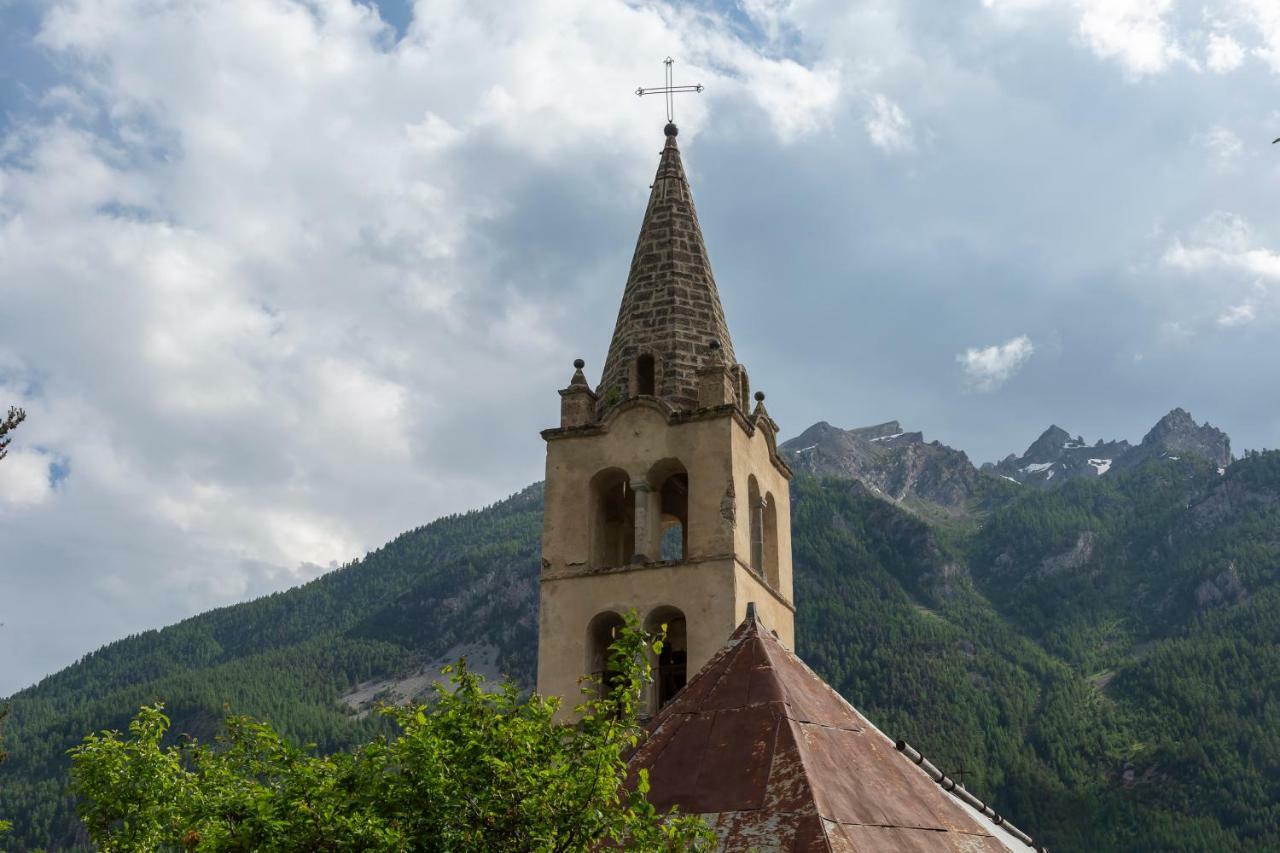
(579, 363)
(759, 396)
(671, 129)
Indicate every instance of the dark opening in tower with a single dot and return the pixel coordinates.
(672, 664)
(671, 482)
(601, 632)
(764, 532)
(613, 523)
(646, 375)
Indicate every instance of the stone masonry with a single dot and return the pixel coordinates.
(670, 307)
(666, 445)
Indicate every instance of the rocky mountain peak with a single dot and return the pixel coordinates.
(888, 429)
(902, 467)
(1177, 418)
(1048, 447)
(890, 462)
(1055, 457)
(1178, 434)
(819, 431)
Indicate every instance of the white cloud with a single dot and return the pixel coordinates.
(1221, 256)
(1135, 33)
(280, 282)
(1262, 18)
(1223, 145)
(888, 126)
(1148, 37)
(773, 17)
(1223, 241)
(1019, 11)
(1238, 315)
(258, 265)
(24, 479)
(1223, 53)
(797, 99)
(988, 368)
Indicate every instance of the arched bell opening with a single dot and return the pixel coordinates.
(671, 667)
(769, 530)
(613, 519)
(602, 630)
(669, 481)
(755, 511)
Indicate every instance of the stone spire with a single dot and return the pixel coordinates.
(670, 307)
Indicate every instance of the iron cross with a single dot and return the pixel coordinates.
(669, 90)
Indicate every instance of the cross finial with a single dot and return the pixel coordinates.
(670, 90)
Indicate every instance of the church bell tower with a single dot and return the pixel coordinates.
(665, 492)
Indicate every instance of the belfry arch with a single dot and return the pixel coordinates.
(669, 482)
(769, 529)
(602, 630)
(613, 519)
(763, 531)
(670, 671)
(755, 527)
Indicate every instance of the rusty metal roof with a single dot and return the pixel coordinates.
(776, 760)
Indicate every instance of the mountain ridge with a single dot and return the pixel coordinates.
(898, 465)
(939, 482)
(1055, 458)
(1103, 657)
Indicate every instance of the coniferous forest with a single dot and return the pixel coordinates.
(1101, 661)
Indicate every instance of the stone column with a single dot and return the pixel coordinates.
(644, 520)
(757, 535)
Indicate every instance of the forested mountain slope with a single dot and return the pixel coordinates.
(286, 657)
(1102, 660)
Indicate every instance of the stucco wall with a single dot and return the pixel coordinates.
(714, 582)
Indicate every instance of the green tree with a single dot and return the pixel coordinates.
(4, 712)
(8, 425)
(472, 770)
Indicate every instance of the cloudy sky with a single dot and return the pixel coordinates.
(279, 280)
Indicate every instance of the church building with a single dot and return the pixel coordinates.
(665, 493)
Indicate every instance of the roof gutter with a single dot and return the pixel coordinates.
(962, 793)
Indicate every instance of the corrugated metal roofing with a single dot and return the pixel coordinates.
(776, 760)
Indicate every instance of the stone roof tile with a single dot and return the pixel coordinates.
(670, 306)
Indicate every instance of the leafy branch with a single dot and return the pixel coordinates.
(475, 769)
(8, 425)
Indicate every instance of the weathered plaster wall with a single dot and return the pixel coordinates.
(711, 586)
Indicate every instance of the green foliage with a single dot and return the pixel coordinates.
(1123, 695)
(286, 657)
(473, 770)
(8, 425)
(1101, 660)
(5, 826)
